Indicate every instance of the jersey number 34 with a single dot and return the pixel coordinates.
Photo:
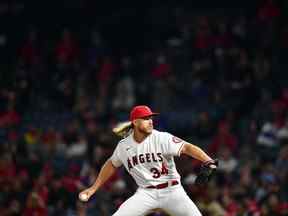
(157, 173)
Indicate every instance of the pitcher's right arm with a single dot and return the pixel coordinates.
(106, 172)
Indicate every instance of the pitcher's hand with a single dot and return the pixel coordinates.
(85, 195)
(207, 171)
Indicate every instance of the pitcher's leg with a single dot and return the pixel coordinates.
(139, 204)
(179, 204)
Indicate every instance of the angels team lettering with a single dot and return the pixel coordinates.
(144, 158)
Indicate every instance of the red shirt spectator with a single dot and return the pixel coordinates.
(10, 117)
(283, 208)
(49, 136)
(202, 40)
(41, 188)
(268, 11)
(223, 138)
(230, 205)
(278, 109)
(13, 136)
(253, 207)
(35, 206)
(67, 49)
(162, 69)
(71, 181)
(29, 52)
(37, 211)
(7, 169)
(283, 101)
(223, 37)
(107, 70)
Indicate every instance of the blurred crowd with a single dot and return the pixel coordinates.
(218, 81)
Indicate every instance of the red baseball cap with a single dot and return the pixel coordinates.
(141, 112)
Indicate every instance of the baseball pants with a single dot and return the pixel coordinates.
(172, 200)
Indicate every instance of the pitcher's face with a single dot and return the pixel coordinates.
(144, 125)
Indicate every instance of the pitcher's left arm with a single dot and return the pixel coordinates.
(208, 166)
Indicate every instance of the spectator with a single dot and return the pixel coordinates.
(162, 68)
(204, 128)
(7, 169)
(267, 136)
(96, 49)
(107, 71)
(77, 150)
(227, 163)
(268, 11)
(282, 133)
(9, 118)
(105, 77)
(281, 165)
(67, 50)
(203, 39)
(223, 138)
(124, 97)
(35, 206)
(30, 52)
(267, 141)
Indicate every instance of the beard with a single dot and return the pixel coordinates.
(145, 131)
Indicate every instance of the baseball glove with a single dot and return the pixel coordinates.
(207, 170)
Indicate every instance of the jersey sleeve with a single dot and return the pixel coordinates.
(115, 158)
(172, 145)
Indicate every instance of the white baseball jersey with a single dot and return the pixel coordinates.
(150, 162)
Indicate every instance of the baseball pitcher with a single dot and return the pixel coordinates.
(148, 156)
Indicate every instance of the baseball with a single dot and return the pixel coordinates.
(83, 197)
